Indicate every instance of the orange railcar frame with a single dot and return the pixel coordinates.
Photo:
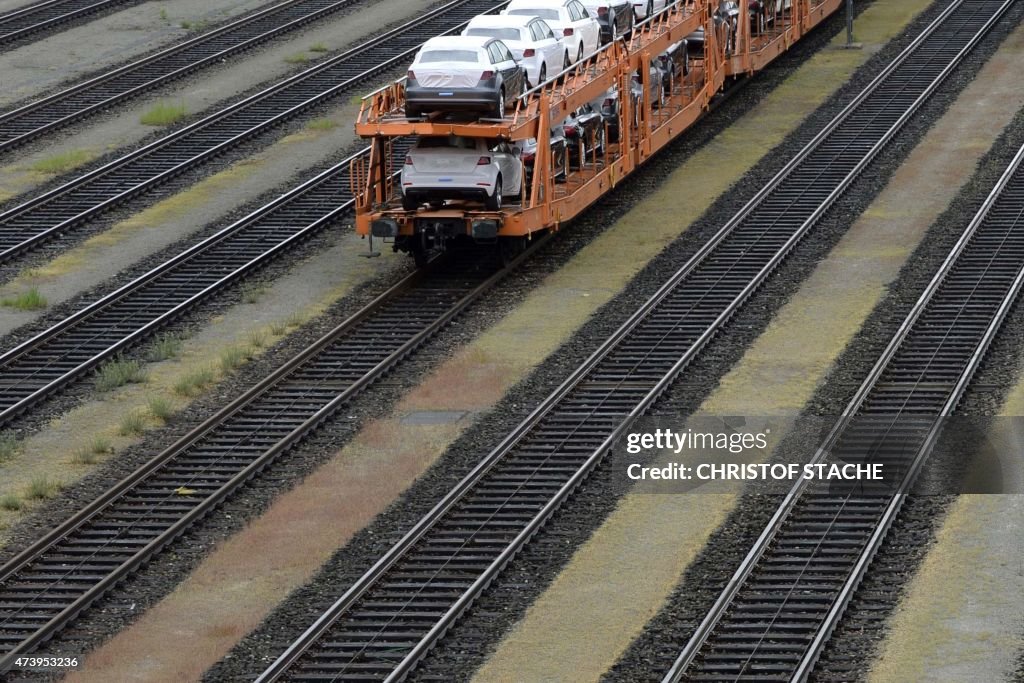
(545, 204)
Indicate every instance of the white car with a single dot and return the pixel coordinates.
(452, 167)
(581, 34)
(459, 73)
(646, 8)
(531, 41)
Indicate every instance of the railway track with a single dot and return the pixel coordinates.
(44, 16)
(71, 349)
(62, 209)
(94, 95)
(775, 616)
(394, 614)
(50, 583)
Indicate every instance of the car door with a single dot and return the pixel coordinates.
(509, 166)
(494, 54)
(587, 26)
(511, 73)
(578, 29)
(549, 46)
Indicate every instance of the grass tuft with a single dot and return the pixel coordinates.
(198, 25)
(10, 502)
(133, 423)
(318, 47)
(257, 339)
(119, 372)
(29, 300)
(41, 487)
(59, 163)
(233, 357)
(322, 124)
(297, 58)
(194, 382)
(84, 456)
(164, 114)
(9, 445)
(252, 292)
(160, 408)
(166, 346)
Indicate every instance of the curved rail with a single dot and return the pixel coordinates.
(398, 610)
(894, 419)
(94, 95)
(56, 212)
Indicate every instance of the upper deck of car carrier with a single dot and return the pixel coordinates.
(643, 109)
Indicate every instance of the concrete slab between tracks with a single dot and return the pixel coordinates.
(960, 618)
(207, 617)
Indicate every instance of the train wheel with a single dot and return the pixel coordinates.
(509, 248)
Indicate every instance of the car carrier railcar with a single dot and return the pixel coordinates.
(645, 124)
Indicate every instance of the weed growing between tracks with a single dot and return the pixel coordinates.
(164, 113)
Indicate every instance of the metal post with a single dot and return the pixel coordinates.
(849, 23)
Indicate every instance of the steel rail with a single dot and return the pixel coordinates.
(100, 93)
(221, 455)
(899, 344)
(54, 358)
(366, 633)
(58, 211)
(41, 16)
(743, 573)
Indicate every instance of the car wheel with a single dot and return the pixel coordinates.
(494, 201)
(579, 53)
(565, 62)
(543, 75)
(650, 9)
(499, 111)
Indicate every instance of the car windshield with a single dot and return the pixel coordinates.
(542, 13)
(450, 142)
(448, 56)
(502, 33)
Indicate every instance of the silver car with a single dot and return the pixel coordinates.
(452, 167)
